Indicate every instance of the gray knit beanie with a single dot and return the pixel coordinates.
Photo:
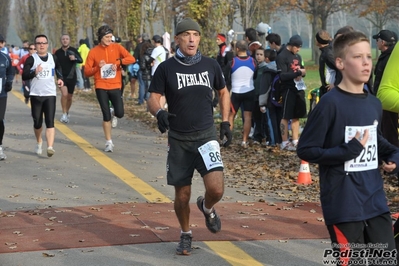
(187, 24)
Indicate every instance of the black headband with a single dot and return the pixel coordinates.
(320, 40)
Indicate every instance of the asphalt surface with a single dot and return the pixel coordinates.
(87, 207)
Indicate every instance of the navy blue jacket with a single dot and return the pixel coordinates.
(6, 74)
(345, 196)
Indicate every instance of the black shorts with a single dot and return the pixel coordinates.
(43, 105)
(350, 235)
(184, 157)
(70, 84)
(294, 103)
(246, 99)
(105, 97)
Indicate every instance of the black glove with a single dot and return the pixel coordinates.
(163, 120)
(8, 86)
(225, 131)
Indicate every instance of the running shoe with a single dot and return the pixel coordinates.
(212, 220)
(184, 246)
(290, 147)
(38, 149)
(114, 121)
(2, 154)
(64, 118)
(109, 147)
(244, 144)
(50, 151)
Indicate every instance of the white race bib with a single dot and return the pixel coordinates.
(368, 159)
(210, 153)
(46, 73)
(1, 85)
(300, 85)
(107, 72)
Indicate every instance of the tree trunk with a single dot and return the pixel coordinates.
(315, 27)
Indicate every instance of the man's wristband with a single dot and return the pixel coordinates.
(159, 110)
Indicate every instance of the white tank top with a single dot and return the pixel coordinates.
(43, 84)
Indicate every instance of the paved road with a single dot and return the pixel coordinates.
(87, 207)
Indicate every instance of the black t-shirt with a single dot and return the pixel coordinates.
(188, 91)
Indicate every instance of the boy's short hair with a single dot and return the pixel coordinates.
(271, 54)
(274, 38)
(342, 42)
(260, 49)
(344, 29)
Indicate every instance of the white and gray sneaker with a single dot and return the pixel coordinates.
(109, 147)
(64, 118)
(288, 147)
(114, 121)
(38, 149)
(2, 154)
(50, 151)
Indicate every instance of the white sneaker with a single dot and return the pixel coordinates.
(288, 147)
(114, 121)
(244, 144)
(2, 155)
(64, 118)
(109, 147)
(251, 133)
(38, 149)
(50, 151)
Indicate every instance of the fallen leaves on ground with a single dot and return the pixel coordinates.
(269, 172)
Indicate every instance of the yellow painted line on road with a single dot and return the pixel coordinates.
(232, 254)
(147, 191)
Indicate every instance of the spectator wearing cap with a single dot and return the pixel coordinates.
(386, 41)
(291, 68)
(158, 55)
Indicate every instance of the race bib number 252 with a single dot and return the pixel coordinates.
(368, 158)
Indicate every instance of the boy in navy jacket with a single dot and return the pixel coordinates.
(343, 136)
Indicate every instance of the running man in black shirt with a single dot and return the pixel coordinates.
(187, 81)
(68, 58)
